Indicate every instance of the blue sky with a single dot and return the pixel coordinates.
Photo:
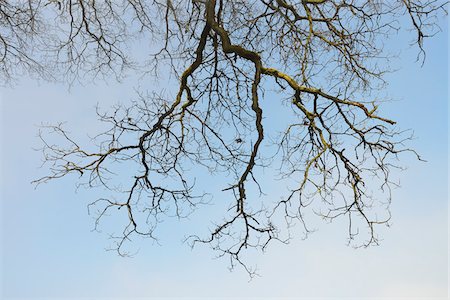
(48, 249)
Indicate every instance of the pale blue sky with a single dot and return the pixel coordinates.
(48, 249)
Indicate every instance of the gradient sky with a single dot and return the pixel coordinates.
(48, 249)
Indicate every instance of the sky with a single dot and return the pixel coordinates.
(48, 248)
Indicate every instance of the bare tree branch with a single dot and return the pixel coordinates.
(335, 153)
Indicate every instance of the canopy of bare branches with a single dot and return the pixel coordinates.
(321, 58)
